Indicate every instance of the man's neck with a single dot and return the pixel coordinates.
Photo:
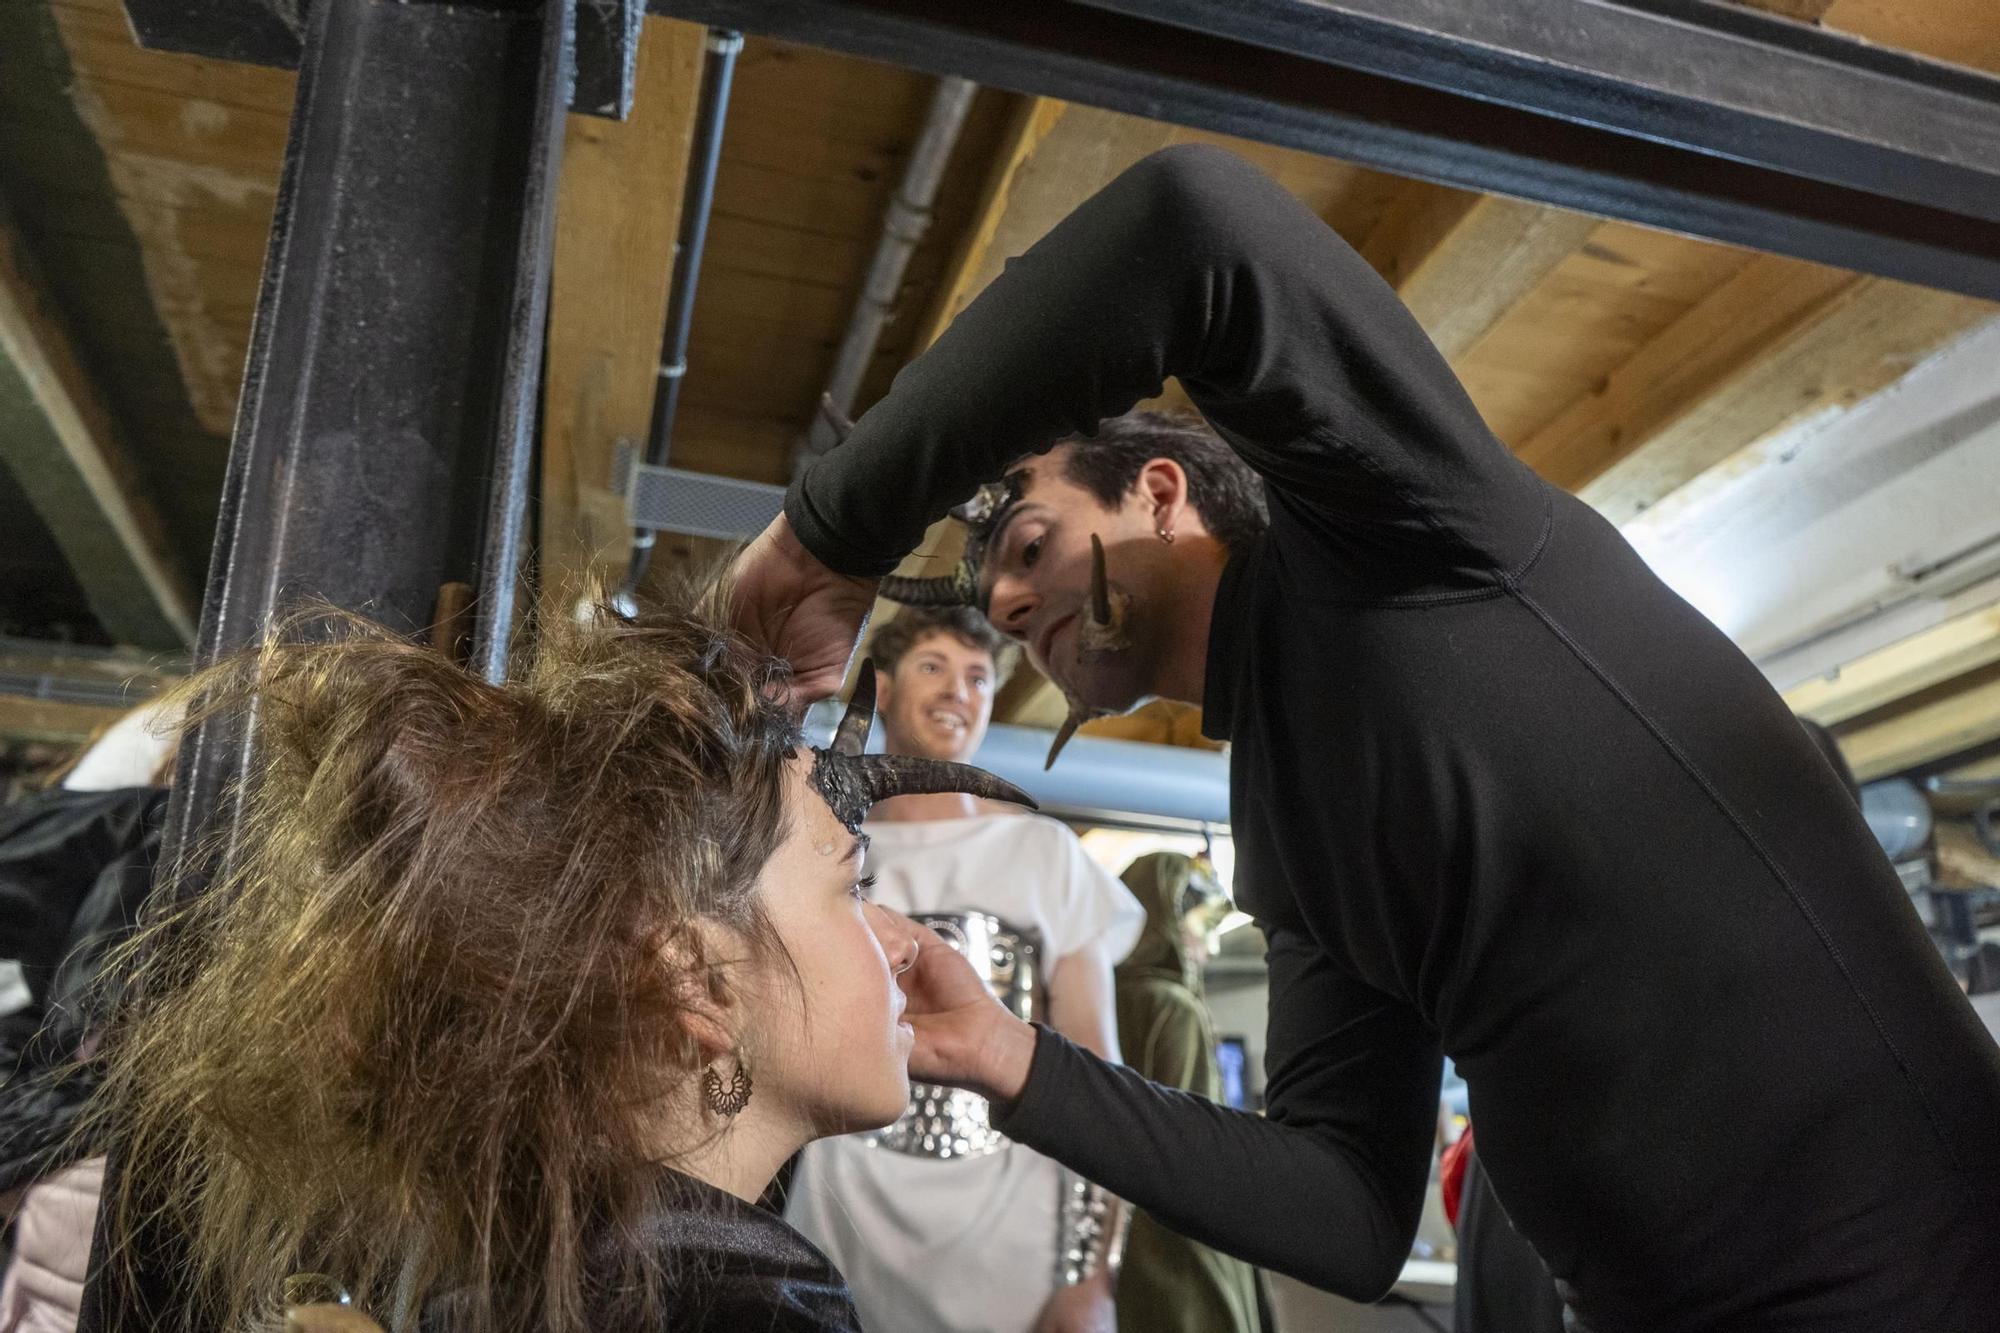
(1183, 673)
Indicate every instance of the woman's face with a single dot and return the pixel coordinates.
(844, 1065)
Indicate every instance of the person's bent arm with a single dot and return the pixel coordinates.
(1328, 1187)
(1191, 264)
(1082, 1009)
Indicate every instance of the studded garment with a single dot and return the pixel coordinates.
(951, 1122)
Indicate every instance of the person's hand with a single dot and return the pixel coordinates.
(786, 602)
(965, 1037)
(1084, 1308)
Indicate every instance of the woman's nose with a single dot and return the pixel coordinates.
(898, 936)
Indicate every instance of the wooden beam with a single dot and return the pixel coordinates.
(1780, 340)
(1963, 861)
(52, 721)
(1982, 770)
(1806, 11)
(1944, 651)
(1156, 722)
(1030, 699)
(1944, 721)
(1461, 261)
(58, 441)
(617, 215)
(1055, 156)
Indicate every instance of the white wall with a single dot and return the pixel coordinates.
(1871, 523)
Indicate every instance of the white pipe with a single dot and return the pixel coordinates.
(1094, 775)
(908, 218)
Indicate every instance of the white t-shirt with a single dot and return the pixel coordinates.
(961, 1245)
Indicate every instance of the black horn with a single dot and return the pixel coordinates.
(958, 588)
(886, 775)
(1068, 729)
(851, 736)
(851, 783)
(1100, 585)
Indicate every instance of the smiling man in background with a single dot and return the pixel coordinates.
(941, 1224)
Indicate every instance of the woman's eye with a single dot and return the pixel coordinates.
(1031, 553)
(863, 887)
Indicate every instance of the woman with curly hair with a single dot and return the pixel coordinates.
(512, 998)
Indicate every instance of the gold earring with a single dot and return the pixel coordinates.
(729, 1101)
(1166, 534)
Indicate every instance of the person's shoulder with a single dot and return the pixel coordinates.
(1039, 834)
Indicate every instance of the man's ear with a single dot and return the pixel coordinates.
(1162, 485)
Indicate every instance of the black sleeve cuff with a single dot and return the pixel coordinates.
(1035, 1116)
(818, 537)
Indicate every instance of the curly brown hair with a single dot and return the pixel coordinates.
(913, 624)
(419, 1036)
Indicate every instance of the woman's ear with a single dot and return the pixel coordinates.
(700, 958)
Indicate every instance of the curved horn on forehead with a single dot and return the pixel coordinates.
(887, 775)
(851, 783)
(851, 736)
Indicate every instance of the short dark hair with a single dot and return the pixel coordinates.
(1221, 486)
(914, 624)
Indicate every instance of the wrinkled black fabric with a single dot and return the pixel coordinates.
(1496, 792)
(75, 867)
(750, 1270)
(736, 1267)
(1502, 1286)
(54, 846)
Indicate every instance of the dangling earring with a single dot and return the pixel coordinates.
(729, 1101)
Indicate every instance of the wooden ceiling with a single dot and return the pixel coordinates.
(1620, 362)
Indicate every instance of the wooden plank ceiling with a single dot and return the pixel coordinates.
(1622, 363)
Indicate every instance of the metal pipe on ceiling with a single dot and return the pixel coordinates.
(705, 155)
(903, 227)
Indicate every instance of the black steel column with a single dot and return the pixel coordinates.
(381, 447)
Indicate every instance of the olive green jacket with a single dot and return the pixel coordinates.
(1169, 1284)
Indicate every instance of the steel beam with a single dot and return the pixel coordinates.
(388, 403)
(267, 32)
(1681, 114)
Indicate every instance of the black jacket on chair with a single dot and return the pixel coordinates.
(75, 866)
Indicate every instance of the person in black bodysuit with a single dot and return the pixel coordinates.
(1497, 792)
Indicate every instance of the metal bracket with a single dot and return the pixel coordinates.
(672, 499)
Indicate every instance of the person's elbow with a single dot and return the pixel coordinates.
(1356, 1270)
(1197, 189)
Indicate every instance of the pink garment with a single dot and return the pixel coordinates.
(43, 1288)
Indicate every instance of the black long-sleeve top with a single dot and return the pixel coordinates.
(1496, 792)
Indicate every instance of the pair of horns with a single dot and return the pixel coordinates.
(850, 781)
